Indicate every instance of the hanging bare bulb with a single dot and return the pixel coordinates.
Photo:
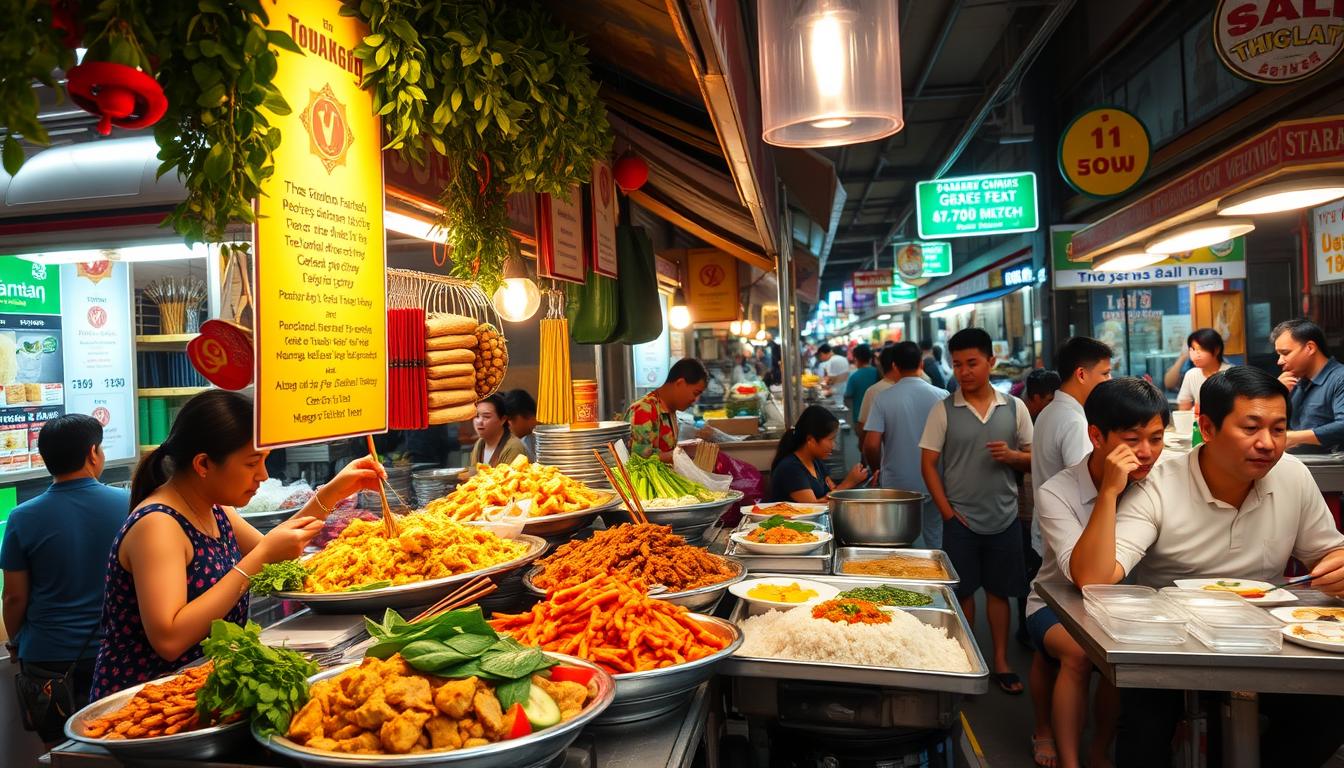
(517, 298)
(679, 315)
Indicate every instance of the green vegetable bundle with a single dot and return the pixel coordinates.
(655, 480)
(459, 644)
(285, 576)
(267, 684)
(780, 521)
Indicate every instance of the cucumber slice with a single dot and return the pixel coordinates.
(541, 709)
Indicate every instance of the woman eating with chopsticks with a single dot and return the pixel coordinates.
(184, 557)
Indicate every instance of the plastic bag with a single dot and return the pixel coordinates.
(746, 479)
(685, 466)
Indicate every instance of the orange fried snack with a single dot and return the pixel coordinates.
(156, 710)
(648, 553)
(614, 624)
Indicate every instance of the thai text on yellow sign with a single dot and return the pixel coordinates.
(1104, 152)
(712, 286)
(321, 320)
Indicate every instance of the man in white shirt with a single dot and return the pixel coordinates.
(1234, 506)
(1126, 419)
(833, 370)
(1061, 429)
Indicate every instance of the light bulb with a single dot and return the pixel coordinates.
(516, 299)
(748, 327)
(679, 317)
(735, 328)
(760, 335)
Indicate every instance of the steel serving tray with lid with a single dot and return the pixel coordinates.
(944, 613)
(844, 555)
(535, 750)
(201, 744)
(1134, 614)
(815, 562)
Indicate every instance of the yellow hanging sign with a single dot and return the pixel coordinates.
(321, 303)
(1104, 152)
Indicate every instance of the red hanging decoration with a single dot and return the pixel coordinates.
(120, 95)
(630, 172)
(64, 20)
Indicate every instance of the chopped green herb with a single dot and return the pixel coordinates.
(888, 595)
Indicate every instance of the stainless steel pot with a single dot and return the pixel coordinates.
(876, 516)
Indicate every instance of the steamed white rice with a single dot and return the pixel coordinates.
(906, 642)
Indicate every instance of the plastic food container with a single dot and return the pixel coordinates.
(1135, 614)
(1225, 622)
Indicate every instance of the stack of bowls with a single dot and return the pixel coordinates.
(431, 484)
(399, 481)
(571, 450)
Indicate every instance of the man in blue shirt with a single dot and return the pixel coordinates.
(1316, 382)
(861, 378)
(894, 427)
(54, 555)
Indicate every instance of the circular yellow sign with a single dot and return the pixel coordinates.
(1104, 152)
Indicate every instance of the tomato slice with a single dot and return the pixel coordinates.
(520, 725)
(580, 675)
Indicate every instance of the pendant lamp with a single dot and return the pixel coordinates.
(830, 71)
(517, 297)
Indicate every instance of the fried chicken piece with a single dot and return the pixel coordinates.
(360, 683)
(308, 724)
(402, 732)
(409, 693)
(374, 713)
(443, 733)
(454, 697)
(325, 744)
(489, 713)
(569, 696)
(346, 731)
(475, 742)
(366, 743)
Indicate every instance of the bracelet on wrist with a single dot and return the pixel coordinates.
(317, 497)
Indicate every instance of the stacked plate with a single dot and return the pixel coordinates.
(399, 480)
(431, 484)
(571, 450)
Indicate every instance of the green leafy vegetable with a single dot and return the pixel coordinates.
(286, 576)
(780, 521)
(370, 585)
(266, 684)
(887, 595)
(513, 692)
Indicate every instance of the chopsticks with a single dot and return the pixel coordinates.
(631, 500)
(706, 456)
(389, 525)
(466, 594)
(638, 511)
(1291, 583)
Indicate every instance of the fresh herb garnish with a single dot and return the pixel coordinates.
(370, 585)
(887, 595)
(780, 521)
(267, 684)
(286, 576)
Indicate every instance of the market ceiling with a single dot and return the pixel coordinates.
(960, 62)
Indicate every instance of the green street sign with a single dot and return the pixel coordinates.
(972, 206)
(900, 293)
(936, 258)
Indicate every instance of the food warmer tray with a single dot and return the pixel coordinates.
(945, 613)
(416, 594)
(818, 561)
(202, 744)
(848, 554)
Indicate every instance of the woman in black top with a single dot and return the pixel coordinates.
(798, 472)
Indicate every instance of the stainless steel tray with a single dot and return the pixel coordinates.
(700, 599)
(848, 554)
(535, 749)
(415, 594)
(201, 744)
(551, 526)
(818, 561)
(949, 618)
(644, 695)
(690, 521)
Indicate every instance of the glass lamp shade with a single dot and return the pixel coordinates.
(830, 71)
(516, 299)
(679, 317)
(735, 328)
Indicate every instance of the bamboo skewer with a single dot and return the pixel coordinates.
(636, 511)
(468, 593)
(625, 474)
(389, 525)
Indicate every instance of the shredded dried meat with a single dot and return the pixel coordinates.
(649, 553)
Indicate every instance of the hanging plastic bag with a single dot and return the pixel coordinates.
(685, 466)
(746, 479)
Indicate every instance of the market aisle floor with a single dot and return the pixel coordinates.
(1001, 723)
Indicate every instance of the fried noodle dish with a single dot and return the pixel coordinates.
(158, 709)
(780, 535)
(648, 553)
(431, 545)
(551, 492)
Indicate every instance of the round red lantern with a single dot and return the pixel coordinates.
(630, 172)
(120, 95)
(63, 19)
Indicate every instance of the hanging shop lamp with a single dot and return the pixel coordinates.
(1198, 234)
(119, 95)
(830, 71)
(735, 328)
(679, 315)
(1285, 195)
(517, 298)
(1126, 260)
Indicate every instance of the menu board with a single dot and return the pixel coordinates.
(562, 228)
(65, 347)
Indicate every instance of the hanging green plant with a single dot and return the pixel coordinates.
(515, 108)
(31, 48)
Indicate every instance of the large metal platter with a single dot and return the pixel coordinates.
(949, 618)
(690, 521)
(850, 554)
(531, 751)
(568, 522)
(698, 599)
(201, 744)
(412, 595)
(643, 695)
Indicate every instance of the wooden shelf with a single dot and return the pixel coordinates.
(170, 391)
(165, 338)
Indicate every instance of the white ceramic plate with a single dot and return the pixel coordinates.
(1286, 614)
(780, 549)
(1275, 597)
(824, 591)
(1328, 628)
(814, 510)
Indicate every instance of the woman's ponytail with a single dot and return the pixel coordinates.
(788, 443)
(150, 473)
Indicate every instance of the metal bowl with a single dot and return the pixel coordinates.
(201, 744)
(698, 599)
(411, 595)
(265, 521)
(690, 521)
(644, 695)
(876, 517)
(550, 526)
(531, 751)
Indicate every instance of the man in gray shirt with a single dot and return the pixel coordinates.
(892, 432)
